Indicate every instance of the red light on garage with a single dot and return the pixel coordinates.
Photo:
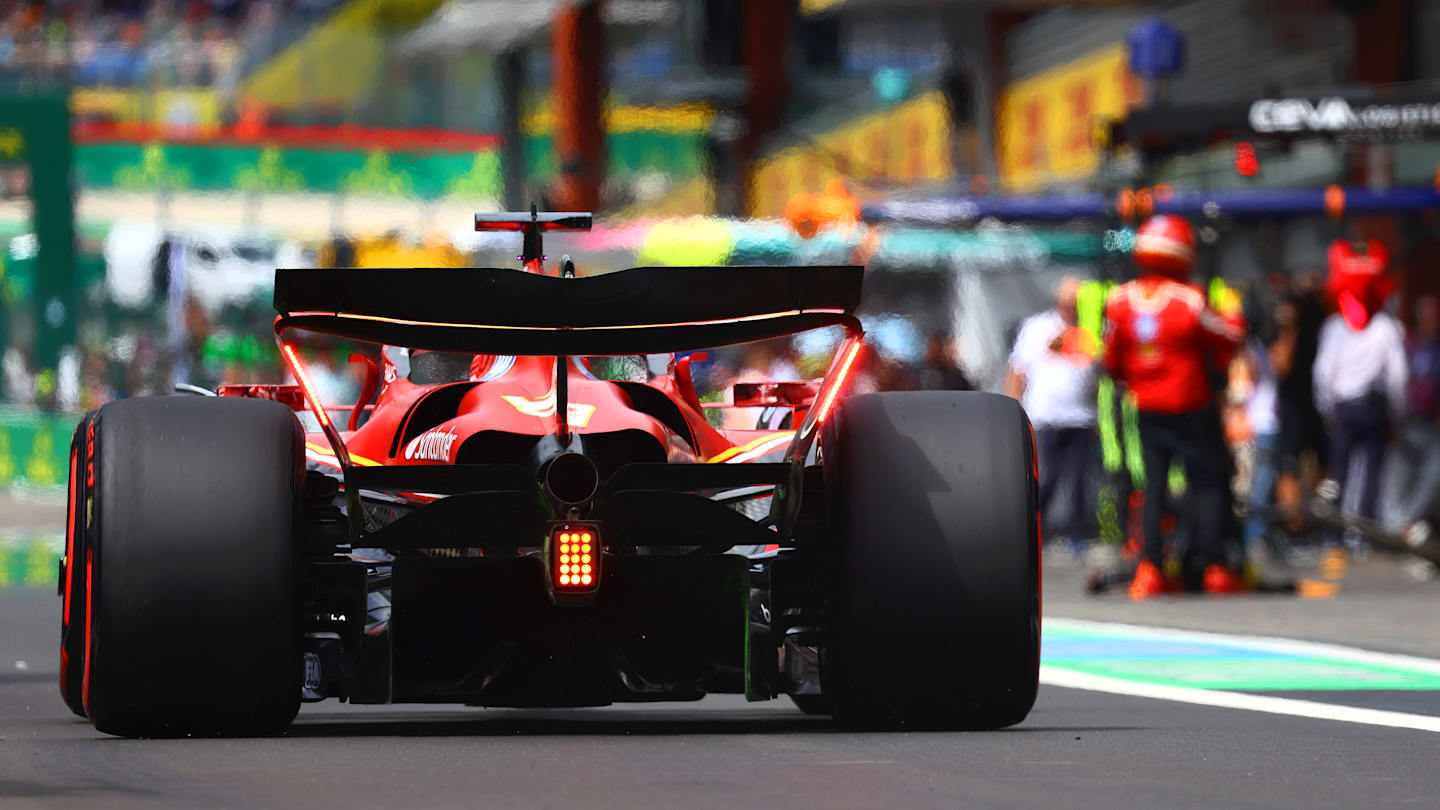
(1125, 204)
(1335, 201)
(1246, 164)
(575, 557)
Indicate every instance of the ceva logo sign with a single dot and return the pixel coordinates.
(1299, 114)
(1337, 115)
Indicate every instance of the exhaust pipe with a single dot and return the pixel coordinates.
(571, 479)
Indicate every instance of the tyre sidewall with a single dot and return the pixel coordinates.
(73, 635)
(934, 582)
(195, 559)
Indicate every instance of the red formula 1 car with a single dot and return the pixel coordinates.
(508, 529)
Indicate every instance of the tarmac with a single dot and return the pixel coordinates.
(1243, 701)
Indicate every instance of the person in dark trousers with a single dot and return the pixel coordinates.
(1361, 372)
(1052, 371)
(1302, 432)
(1161, 343)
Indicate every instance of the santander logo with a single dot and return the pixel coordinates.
(433, 445)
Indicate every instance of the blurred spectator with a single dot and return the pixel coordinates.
(1162, 340)
(199, 43)
(941, 371)
(94, 384)
(1256, 379)
(1052, 372)
(1413, 487)
(1302, 433)
(1423, 351)
(1360, 383)
(337, 385)
(19, 384)
(761, 362)
(1264, 428)
(783, 366)
(223, 56)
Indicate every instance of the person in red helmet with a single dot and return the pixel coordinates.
(1162, 340)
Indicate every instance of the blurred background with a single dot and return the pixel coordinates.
(159, 159)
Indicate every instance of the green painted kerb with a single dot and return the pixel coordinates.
(1199, 662)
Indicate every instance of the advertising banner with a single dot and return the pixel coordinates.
(408, 168)
(33, 448)
(908, 143)
(1046, 124)
(272, 169)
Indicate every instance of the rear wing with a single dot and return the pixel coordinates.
(548, 221)
(644, 310)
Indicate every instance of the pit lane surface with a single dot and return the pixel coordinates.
(1077, 749)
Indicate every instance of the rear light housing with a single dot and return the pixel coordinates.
(574, 561)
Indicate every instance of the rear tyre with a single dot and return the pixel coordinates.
(934, 586)
(73, 593)
(195, 626)
(811, 704)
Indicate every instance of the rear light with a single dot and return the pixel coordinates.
(301, 377)
(841, 376)
(575, 558)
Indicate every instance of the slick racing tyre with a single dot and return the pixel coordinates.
(195, 623)
(934, 583)
(73, 633)
(810, 704)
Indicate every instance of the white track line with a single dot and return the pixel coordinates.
(1054, 676)
(1058, 676)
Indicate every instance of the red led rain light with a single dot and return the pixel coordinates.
(575, 558)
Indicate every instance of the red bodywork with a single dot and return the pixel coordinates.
(505, 413)
(516, 395)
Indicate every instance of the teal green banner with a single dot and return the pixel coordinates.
(35, 448)
(247, 168)
(30, 561)
(256, 169)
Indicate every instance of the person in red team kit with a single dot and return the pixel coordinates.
(1162, 341)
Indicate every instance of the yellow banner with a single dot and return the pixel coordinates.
(683, 119)
(181, 108)
(1047, 124)
(909, 143)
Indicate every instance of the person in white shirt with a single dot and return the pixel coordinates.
(1052, 372)
(1360, 383)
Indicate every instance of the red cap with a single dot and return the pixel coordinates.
(1165, 245)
